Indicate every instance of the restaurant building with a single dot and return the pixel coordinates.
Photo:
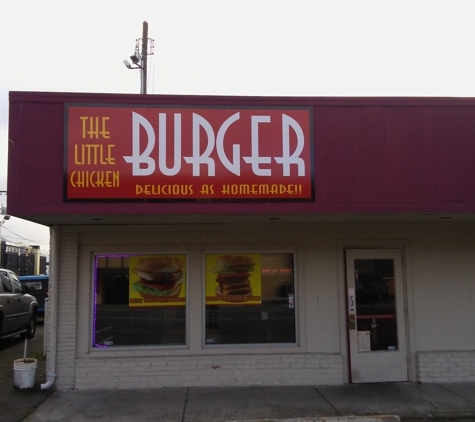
(223, 241)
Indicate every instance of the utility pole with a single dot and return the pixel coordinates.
(3, 217)
(143, 48)
(143, 89)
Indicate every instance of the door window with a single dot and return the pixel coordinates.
(16, 284)
(7, 287)
(375, 304)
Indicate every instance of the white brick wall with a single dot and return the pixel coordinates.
(206, 371)
(67, 304)
(95, 371)
(452, 366)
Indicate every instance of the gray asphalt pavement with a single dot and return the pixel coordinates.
(410, 402)
(422, 402)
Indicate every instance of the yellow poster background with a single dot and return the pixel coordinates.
(212, 287)
(137, 300)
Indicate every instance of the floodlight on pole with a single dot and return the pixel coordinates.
(136, 59)
(139, 58)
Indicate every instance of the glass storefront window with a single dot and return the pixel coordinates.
(250, 298)
(139, 300)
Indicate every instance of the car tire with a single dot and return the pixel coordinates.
(31, 327)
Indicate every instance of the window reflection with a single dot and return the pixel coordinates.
(119, 321)
(267, 316)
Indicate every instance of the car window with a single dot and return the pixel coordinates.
(7, 287)
(16, 283)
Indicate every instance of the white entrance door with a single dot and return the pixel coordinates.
(376, 315)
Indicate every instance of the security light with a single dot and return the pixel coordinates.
(135, 58)
(139, 58)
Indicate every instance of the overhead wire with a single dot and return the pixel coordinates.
(24, 238)
(11, 241)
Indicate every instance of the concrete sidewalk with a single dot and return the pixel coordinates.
(301, 403)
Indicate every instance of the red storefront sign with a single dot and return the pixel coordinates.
(180, 153)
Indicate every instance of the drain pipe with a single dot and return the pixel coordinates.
(53, 311)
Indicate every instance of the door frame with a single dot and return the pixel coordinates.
(404, 246)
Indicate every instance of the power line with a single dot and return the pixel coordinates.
(24, 238)
(11, 241)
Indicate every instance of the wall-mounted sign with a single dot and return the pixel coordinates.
(187, 153)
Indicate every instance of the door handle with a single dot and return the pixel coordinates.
(351, 300)
(8, 301)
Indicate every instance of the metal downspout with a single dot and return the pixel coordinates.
(53, 293)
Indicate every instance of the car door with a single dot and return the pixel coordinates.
(21, 306)
(7, 302)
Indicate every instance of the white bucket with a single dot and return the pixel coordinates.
(24, 373)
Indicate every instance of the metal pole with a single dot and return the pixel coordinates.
(3, 213)
(1, 245)
(143, 89)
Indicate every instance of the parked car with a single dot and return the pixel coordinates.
(18, 308)
(40, 285)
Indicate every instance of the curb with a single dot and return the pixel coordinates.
(375, 418)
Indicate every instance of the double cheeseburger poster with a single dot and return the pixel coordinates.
(157, 280)
(233, 279)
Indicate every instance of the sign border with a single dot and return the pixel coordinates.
(310, 110)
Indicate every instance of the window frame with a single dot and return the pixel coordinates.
(195, 315)
(240, 251)
(96, 348)
(16, 284)
(6, 282)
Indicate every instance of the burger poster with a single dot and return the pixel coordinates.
(157, 280)
(233, 279)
